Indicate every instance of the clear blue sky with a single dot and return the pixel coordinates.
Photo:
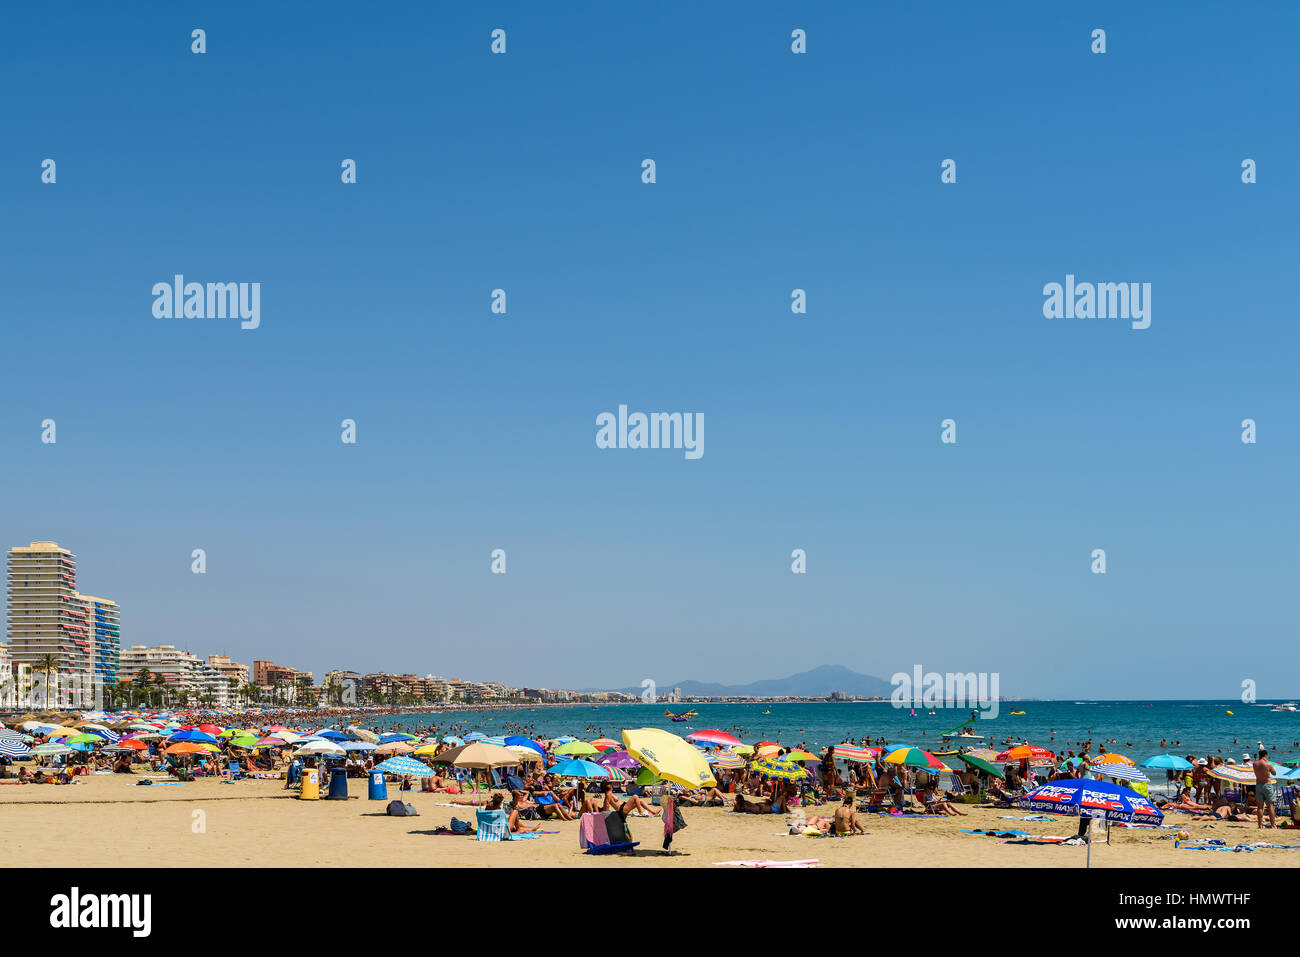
(775, 171)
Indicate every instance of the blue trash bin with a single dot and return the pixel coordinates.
(338, 785)
(378, 787)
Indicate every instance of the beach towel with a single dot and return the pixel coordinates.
(811, 862)
(592, 830)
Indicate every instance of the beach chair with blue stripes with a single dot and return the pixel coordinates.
(493, 825)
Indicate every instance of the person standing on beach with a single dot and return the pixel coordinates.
(1265, 790)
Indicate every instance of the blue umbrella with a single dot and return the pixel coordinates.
(395, 736)
(404, 765)
(525, 742)
(1092, 799)
(1121, 771)
(1168, 762)
(357, 746)
(14, 748)
(574, 768)
(452, 739)
(499, 741)
(331, 735)
(198, 737)
(475, 736)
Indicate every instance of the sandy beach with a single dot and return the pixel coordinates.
(108, 821)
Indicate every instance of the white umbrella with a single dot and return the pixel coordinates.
(319, 747)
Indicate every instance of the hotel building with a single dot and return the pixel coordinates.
(48, 616)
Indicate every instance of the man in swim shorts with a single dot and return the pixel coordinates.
(1265, 790)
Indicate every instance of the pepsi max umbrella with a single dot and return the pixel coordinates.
(575, 768)
(406, 766)
(396, 736)
(1091, 799)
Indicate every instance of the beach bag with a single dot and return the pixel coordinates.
(398, 809)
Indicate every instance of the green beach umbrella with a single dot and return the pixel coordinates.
(646, 777)
(84, 739)
(979, 764)
(576, 748)
(243, 741)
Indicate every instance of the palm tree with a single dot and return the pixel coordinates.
(48, 663)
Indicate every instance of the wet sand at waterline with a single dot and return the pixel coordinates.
(107, 821)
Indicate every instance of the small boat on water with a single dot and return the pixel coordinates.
(1289, 706)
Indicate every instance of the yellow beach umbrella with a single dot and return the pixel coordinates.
(670, 757)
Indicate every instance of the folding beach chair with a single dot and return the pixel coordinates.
(493, 825)
(236, 771)
(616, 839)
(955, 785)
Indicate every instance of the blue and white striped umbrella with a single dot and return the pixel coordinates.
(499, 741)
(14, 748)
(1117, 770)
(357, 746)
(404, 765)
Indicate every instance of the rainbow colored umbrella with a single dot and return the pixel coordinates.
(851, 752)
(726, 760)
(915, 758)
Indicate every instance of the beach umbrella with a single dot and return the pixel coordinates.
(479, 755)
(196, 737)
(330, 734)
(780, 769)
(574, 768)
(358, 746)
(1292, 775)
(498, 739)
(605, 744)
(801, 756)
(474, 736)
(1236, 773)
(13, 748)
(1121, 771)
(211, 729)
(406, 766)
(727, 761)
(1113, 758)
(576, 748)
(452, 739)
(714, 736)
(1168, 762)
(91, 739)
(525, 742)
(133, 744)
(319, 747)
(915, 758)
(525, 753)
(669, 757)
(361, 734)
(979, 764)
(394, 747)
(851, 752)
(243, 741)
(272, 741)
(1022, 751)
(42, 750)
(645, 777)
(426, 749)
(396, 736)
(745, 749)
(187, 747)
(1080, 798)
(622, 760)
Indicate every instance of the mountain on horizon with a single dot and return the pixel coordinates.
(815, 683)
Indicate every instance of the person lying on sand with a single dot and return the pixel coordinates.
(634, 804)
(702, 797)
(743, 806)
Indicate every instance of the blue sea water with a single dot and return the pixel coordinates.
(1129, 727)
